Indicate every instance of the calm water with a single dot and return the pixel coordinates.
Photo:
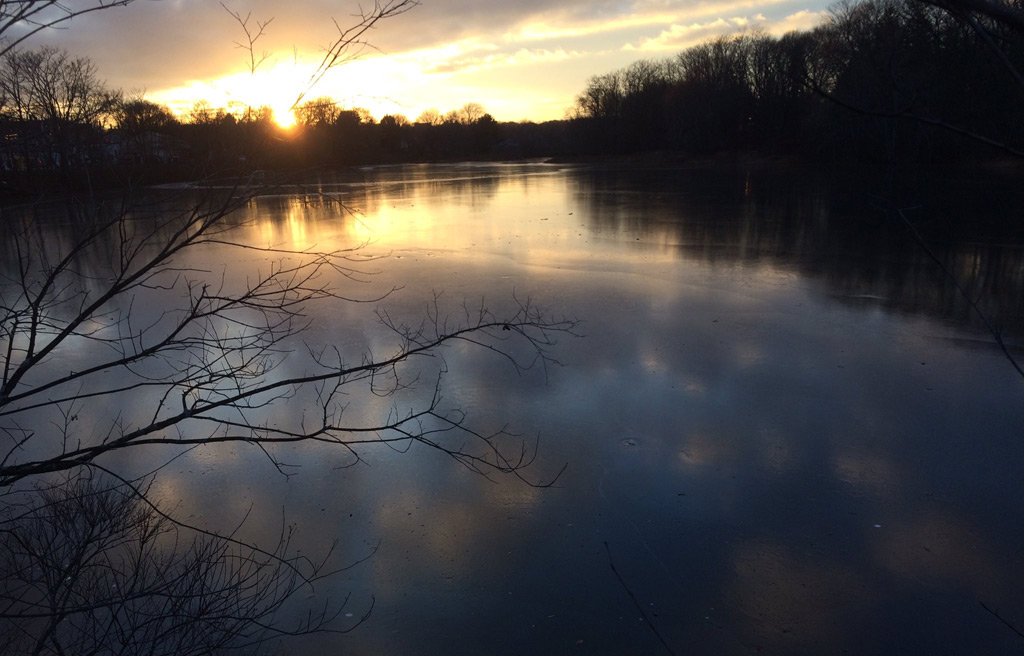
(784, 427)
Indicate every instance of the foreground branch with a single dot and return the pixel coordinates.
(90, 565)
(195, 355)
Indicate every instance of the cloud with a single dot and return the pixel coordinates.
(497, 59)
(561, 24)
(681, 36)
(801, 20)
(550, 29)
(184, 44)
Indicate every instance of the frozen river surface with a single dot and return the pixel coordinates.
(784, 431)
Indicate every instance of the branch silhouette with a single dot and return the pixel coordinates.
(125, 338)
(207, 363)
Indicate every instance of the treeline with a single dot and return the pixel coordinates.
(879, 81)
(326, 134)
(62, 125)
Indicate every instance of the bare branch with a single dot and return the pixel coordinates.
(252, 35)
(23, 19)
(911, 116)
(90, 564)
(351, 42)
(1003, 12)
(209, 358)
(963, 292)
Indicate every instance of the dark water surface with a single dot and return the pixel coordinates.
(784, 428)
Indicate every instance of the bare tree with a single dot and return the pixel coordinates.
(901, 83)
(202, 113)
(430, 117)
(319, 112)
(602, 97)
(394, 120)
(134, 114)
(49, 87)
(471, 112)
(1008, 13)
(86, 568)
(141, 125)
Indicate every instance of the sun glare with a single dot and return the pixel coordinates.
(284, 117)
(277, 88)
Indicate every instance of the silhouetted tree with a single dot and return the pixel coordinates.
(470, 113)
(644, 84)
(135, 114)
(319, 112)
(202, 113)
(485, 134)
(143, 128)
(929, 75)
(430, 117)
(62, 96)
(603, 97)
(713, 100)
(880, 81)
(391, 129)
(776, 70)
(85, 568)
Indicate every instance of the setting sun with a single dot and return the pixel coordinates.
(284, 117)
(278, 87)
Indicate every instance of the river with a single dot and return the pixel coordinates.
(784, 430)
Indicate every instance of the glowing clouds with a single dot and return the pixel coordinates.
(682, 35)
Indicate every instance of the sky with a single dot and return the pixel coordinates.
(520, 59)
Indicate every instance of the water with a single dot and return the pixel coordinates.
(784, 432)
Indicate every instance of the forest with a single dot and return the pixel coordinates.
(879, 83)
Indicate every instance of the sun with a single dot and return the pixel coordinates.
(277, 87)
(284, 116)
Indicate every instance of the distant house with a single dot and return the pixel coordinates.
(40, 145)
(27, 146)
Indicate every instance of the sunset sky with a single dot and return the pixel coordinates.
(521, 59)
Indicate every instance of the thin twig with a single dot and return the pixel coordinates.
(636, 603)
(1001, 619)
(909, 116)
(963, 292)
